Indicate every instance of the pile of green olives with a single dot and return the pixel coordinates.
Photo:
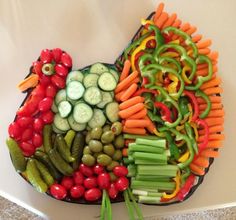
(104, 146)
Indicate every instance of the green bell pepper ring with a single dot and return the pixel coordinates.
(189, 131)
(202, 79)
(183, 105)
(185, 175)
(174, 150)
(160, 40)
(163, 59)
(154, 117)
(185, 36)
(200, 93)
(145, 58)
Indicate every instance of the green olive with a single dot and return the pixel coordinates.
(117, 155)
(104, 160)
(88, 160)
(48, 69)
(107, 137)
(87, 150)
(113, 177)
(95, 146)
(113, 164)
(106, 128)
(96, 133)
(97, 154)
(116, 128)
(88, 137)
(119, 142)
(109, 149)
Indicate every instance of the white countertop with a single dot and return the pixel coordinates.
(93, 30)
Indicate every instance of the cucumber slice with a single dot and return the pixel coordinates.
(90, 80)
(60, 96)
(82, 113)
(93, 95)
(107, 82)
(75, 90)
(106, 98)
(56, 130)
(112, 110)
(98, 68)
(115, 74)
(75, 76)
(72, 102)
(64, 108)
(54, 107)
(98, 119)
(61, 123)
(74, 125)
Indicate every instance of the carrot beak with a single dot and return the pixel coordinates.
(30, 82)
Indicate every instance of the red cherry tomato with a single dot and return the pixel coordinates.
(97, 169)
(86, 170)
(103, 181)
(29, 108)
(58, 81)
(47, 117)
(92, 194)
(58, 191)
(61, 70)
(45, 80)
(78, 178)
(23, 111)
(90, 182)
(66, 60)
(37, 140)
(24, 121)
(37, 68)
(67, 182)
(45, 104)
(27, 134)
(77, 191)
(122, 183)
(51, 91)
(14, 130)
(57, 52)
(38, 124)
(46, 56)
(120, 171)
(27, 148)
(112, 191)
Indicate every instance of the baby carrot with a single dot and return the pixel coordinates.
(118, 95)
(211, 83)
(191, 30)
(213, 55)
(136, 80)
(140, 114)
(125, 71)
(214, 144)
(126, 113)
(136, 123)
(210, 153)
(126, 81)
(213, 99)
(203, 72)
(216, 113)
(185, 26)
(129, 92)
(130, 102)
(151, 127)
(204, 51)
(134, 130)
(170, 20)
(213, 90)
(159, 11)
(161, 20)
(197, 170)
(212, 137)
(213, 129)
(214, 121)
(177, 23)
(201, 162)
(204, 43)
(125, 152)
(29, 82)
(196, 38)
(202, 66)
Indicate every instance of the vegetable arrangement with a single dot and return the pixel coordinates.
(143, 130)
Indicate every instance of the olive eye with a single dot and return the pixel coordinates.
(48, 69)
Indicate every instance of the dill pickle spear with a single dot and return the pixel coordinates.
(69, 137)
(47, 138)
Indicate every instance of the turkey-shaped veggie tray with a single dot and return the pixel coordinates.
(142, 130)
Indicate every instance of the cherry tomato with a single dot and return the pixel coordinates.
(61, 70)
(58, 191)
(86, 170)
(58, 81)
(45, 80)
(27, 134)
(27, 148)
(24, 121)
(66, 60)
(23, 111)
(120, 171)
(57, 52)
(46, 56)
(77, 191)
(32, 107)
(45, 104)
(39, 91)
(38, 124)
(14, 130)
(97, 169)
(51, 91)
(67, 182)
(104, 180)
(122, 183)
(47, 117)
(78, 178)
(90, 182)
(37, 68)
(92, 194)
(37, 140)
(112, 191)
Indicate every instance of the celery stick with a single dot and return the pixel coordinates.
(131, 170)
(159, 158)
(153, 178)
(145, 148)
(166, 170)
(145, 162)
(156, 143)
(146, 193)
(134, 136)
(153, 185)
(149, 199)
(145, 189)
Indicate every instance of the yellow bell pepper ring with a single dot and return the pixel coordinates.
(184, 157)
